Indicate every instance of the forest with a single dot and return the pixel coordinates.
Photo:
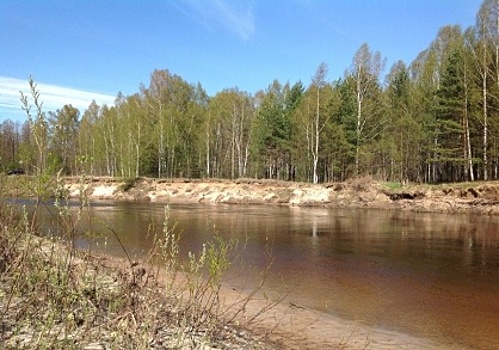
(431, 121)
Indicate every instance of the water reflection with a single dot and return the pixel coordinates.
(432, 275)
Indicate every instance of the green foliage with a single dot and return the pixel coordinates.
(64, 126)
(392, 186)
(275, 129)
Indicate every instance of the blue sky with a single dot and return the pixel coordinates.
(82, 50)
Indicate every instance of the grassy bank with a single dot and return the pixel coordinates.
(54, 296)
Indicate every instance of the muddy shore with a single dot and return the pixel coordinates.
(466, 198)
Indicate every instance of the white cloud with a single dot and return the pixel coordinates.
(236, 16)
(53, 97)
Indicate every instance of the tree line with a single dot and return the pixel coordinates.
(434, 120)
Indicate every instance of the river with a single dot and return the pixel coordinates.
(428, 275)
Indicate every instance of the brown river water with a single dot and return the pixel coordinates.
(427, 275)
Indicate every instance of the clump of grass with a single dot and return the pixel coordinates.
(193, 285)
(392, 186)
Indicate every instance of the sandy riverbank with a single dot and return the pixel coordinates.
(476, 198)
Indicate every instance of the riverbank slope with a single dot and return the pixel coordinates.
(477, 198)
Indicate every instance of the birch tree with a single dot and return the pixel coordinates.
(65, 126)
(228, 132)
(365, 70)
(318, 84)
(482, 40)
